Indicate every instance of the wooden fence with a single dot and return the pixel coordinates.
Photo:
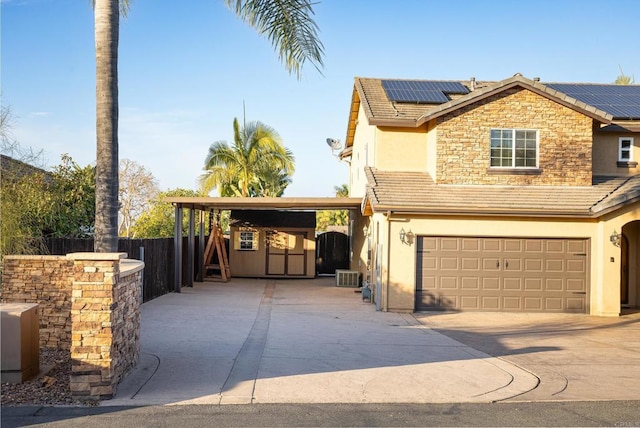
(157, 255)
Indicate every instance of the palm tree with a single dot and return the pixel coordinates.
(623, 79)
(342, 191)
(287, 24)
(107, 20)
(256, 160)
(273, 182)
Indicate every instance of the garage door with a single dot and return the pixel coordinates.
(502, 274)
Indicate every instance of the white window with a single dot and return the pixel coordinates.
(625, 149)
(514, 148)
(246, 241)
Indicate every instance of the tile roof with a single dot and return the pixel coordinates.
(416, 192)
(381, 111)
(12, 169)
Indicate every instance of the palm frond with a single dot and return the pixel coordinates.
(289, 27)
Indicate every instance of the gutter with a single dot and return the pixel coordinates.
(485, 212)
(407, 123)
(386, 291)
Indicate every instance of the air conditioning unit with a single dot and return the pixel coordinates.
(347, 278)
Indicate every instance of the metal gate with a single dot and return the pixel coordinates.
(332, 252)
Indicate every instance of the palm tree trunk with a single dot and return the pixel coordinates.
(106, 33)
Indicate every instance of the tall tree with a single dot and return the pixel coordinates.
(9, 146)
(287, 24)
(107, 30)
(157, 220)
(273, 182)
(37, 204)
(138, 186)
(73, 202)
(23, 195)
(248, 167)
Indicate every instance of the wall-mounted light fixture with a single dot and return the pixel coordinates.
(365, 230)
(406, 237)
(615, 238)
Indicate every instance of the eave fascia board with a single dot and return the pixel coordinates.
(458, 212)
(299, 203)
(399, 123)
(353, 115)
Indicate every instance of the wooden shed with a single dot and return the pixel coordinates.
(272, 243)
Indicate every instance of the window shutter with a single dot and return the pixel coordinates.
(236, 240)
(256, 240)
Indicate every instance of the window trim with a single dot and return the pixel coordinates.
(243, 239)
(513, 167)
(630, 149)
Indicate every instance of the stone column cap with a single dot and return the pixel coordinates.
(97, 256)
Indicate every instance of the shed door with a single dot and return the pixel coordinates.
(502, 274)
(286, 254)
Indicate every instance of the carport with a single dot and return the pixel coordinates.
(204, 205)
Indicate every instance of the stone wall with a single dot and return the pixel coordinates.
(106, 324)
(565, 141)
(96, 298)
(45, 280)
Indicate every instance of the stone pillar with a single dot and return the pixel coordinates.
(105, 322)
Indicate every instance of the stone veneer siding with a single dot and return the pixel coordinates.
(47, 281)
(565, 141)
(97, 312)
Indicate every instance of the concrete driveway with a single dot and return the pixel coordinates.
(307, 341)
(576, 357)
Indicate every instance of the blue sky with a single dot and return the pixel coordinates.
(186, 68)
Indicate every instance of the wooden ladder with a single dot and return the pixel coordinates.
(215, 245)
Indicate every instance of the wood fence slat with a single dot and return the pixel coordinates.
(158, 259)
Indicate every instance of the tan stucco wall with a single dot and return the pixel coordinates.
(362, 154)
(378, 238)
(609, 281)
(565, 141)
(401, 149)
(632, 232)
(399, 263)
(358, 256)
(432, 149)
(605, 154)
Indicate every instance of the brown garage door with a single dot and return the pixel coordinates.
(502, 274)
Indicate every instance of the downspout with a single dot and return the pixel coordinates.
(386, 289)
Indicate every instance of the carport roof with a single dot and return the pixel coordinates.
(306, 203)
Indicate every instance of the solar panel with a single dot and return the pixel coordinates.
(621, 101)
(421, 91)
